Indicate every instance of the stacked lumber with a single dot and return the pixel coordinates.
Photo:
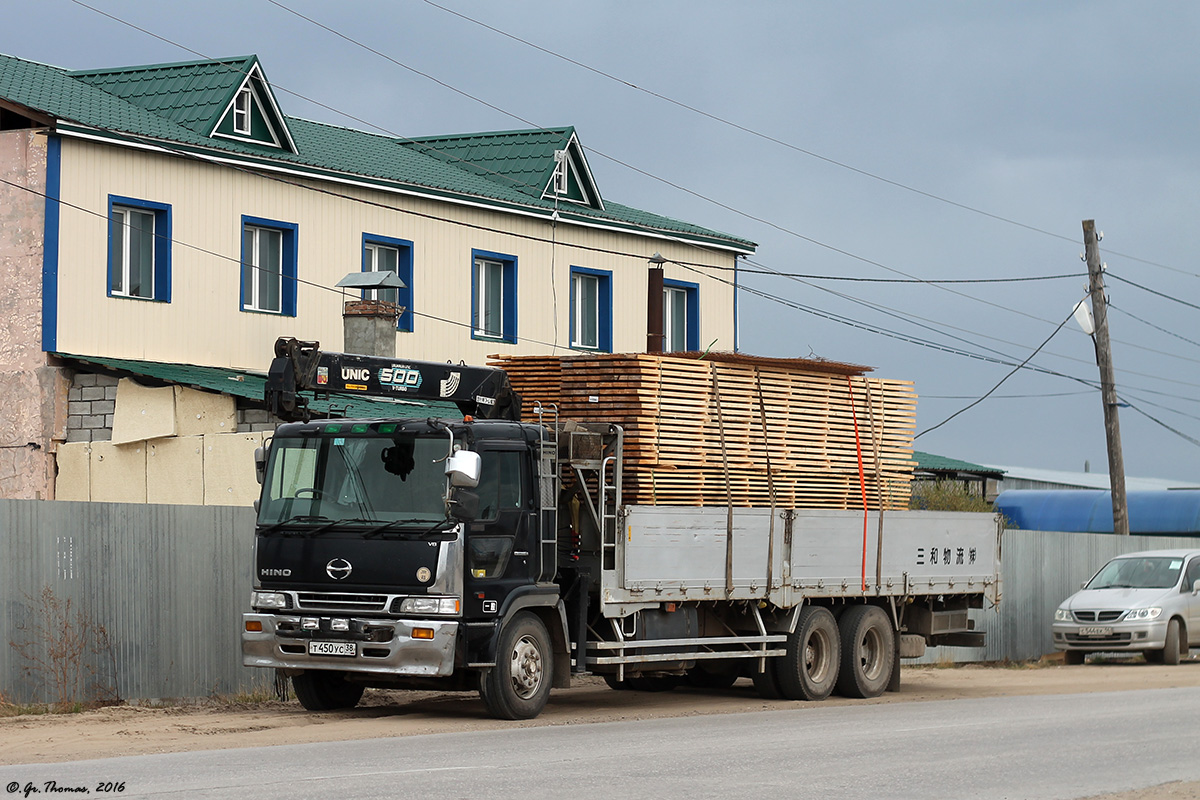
(725, 429)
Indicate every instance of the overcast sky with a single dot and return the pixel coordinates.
(878, 140)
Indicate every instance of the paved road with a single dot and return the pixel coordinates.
(1058, 746)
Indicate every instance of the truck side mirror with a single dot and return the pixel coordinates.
(260, 464)
(463, 504)
(463, 469)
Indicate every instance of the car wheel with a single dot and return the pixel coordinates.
(1074, 657)
(1170, 651)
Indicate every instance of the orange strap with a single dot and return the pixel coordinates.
(862, 482)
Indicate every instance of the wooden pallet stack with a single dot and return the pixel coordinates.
(725, 428)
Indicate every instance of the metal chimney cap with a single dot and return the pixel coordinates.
(383, 279)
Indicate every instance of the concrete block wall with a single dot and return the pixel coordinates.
(91, 402)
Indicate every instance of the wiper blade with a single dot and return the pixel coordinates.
(411, 521)
(293, 520)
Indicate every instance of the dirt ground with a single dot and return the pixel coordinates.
(137, 730)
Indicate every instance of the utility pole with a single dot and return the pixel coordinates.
(1108, 389)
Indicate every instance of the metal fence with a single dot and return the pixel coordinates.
(141, 602)
(1040, 569)
(120, 601)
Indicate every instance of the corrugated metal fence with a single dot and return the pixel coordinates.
(1039, 570)
(109, 600)
(137, 602)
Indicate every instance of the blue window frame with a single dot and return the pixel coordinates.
(591, 309)
(493, 296)
(139, 249)
(382, 253)
(269, 266)
(681, 316)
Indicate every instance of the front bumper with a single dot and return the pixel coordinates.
(387, 648)
(1134, 636)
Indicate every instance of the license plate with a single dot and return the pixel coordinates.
(1095, 630)
(332, 649)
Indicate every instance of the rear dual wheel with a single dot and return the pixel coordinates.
(809, 670)
(868, 651)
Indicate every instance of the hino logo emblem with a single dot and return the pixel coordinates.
(339, 569)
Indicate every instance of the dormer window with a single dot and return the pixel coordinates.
(559, 183)
(241, 112)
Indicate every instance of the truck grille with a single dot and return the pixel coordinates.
(335, 601)
(1097, 616)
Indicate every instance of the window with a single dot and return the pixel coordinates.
(494, 296)
(241, 111)
(268, 266)
(681, 316)
(394, 255)
(591, 309)
(139, 249)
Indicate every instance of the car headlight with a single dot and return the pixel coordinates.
(1142, 614)
(269, 600)
(1063, 615)
(429, 605)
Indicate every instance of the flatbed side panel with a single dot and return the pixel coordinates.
(678, 554)
(926, 552)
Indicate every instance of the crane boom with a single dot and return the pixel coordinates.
(298, 366)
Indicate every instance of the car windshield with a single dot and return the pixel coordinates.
(369, 480)
(1143, 572)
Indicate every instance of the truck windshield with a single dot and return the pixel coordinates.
(317, 480)
(1146, 572)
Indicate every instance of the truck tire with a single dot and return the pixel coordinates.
(765, 682)
(1170, 651)
(322, 690)
(867, 651)
(519, 685)
(1073, 658)
(809, 671)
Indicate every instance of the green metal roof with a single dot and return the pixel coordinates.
(192, 93)
(928, 462)
(251, 385)
(177, 105)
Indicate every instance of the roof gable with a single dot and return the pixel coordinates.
(507, 170)
(522, 160)
(201, 96)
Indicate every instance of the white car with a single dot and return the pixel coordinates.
(1146, 602)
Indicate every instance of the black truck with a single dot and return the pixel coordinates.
(482, 553)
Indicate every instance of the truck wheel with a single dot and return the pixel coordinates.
(1170, 651)
(1073, 658)
(809, 670)
(321, 690)
(519, 685)
(765, 682)
(867, 651)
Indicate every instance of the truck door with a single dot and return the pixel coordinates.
(502, 546)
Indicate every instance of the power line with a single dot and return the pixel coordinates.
(1152, 291)
(1111, 307)
(985, 396)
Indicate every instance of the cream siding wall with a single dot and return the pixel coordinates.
(203, 324)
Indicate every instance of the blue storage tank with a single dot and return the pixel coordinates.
(1174, 512)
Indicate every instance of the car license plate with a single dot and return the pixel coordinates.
(332, 649)
(1095, 630)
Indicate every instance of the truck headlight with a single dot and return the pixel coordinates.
(1143, 614)
(429, 605)
(1063, 615)
(269, 600)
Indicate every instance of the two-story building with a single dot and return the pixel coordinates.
(161, 226)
